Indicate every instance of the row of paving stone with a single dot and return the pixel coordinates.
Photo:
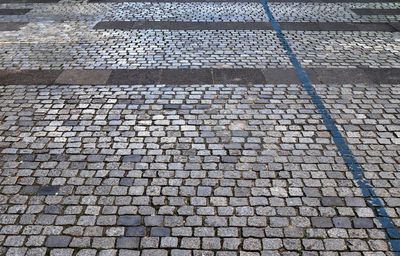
(73, 43)
(177, 77)
(192, 11)
(76, 46)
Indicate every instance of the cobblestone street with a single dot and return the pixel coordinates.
(199, 127)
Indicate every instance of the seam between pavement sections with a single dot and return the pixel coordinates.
(373, 201)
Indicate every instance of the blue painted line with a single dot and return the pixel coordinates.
(373, 201)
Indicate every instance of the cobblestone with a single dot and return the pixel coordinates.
(337, 212)
(72, 42)
(217, 167)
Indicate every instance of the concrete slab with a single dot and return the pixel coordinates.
(83, 77)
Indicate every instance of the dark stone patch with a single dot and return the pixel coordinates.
(280, 75)
(14, 11)
(11, 26)
(29, 190)
(208, 76)
(336, 26)
(126, 182)
(395, 25)
(367, 11)
(52, 209)
(70, 122)
(385, 27)
(132, 158)
(186, 76)
(128, 242)
(28, 77)
(48, 190)
(59, 157)
(302, 26)
(174, 25)
(136, 231)
(238, 76)
(129, 220)
(160, 231)
(78, 76)
(338, 75)
(229, 159)
(347, 26)
(57, 241)
(312, 192)
(332, 201)
(383, 75)
(135, 76)
(321, 222)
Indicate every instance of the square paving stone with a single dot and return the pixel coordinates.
(160, 231)
(136, 231)
(129, 220)
(153, 220)
(128, 242)
(132, 158)
(29, 190)
(58, 241)
(52, 209)
(321, 222)
(95, 77)
(342, 222)
(332, 201)
(48, 190)
(155, 252)
(126, 182)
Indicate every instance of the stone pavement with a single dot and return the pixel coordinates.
(185, 127)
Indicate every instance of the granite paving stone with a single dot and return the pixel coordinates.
(188, 131)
